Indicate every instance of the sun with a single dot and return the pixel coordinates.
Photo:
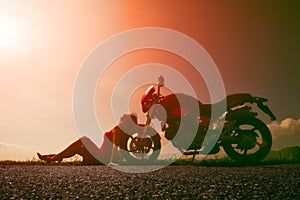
(8, 32)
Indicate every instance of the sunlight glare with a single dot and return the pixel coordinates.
(8, 32)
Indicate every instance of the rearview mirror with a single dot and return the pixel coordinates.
(161, 81)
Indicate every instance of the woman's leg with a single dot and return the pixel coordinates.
(83, 146)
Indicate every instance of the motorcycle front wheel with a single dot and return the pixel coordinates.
(142, 150)
(253, 141)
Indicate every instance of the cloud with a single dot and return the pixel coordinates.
(16, 152)
(285, 133)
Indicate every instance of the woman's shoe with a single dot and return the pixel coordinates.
(47, 158)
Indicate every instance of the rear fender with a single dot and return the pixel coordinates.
(260, 104)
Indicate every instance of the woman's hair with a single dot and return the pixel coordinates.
(129, 117)
(134, 117)
(128, 122)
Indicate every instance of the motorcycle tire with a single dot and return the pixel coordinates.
(256, 150)
(141, 150)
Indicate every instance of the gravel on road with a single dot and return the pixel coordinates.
(172, 182)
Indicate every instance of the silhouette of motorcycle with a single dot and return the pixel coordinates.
(243, 136)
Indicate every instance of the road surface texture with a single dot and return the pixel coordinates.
(173, 182)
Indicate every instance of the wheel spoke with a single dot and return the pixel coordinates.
(141, 148)
(259, 144)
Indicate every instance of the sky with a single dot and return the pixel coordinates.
(43, 44)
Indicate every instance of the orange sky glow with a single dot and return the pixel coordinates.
(44, 43)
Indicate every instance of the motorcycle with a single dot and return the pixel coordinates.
(243, 136)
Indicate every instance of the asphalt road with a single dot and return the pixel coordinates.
(173, 182)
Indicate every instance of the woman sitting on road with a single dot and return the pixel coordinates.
(90, 152)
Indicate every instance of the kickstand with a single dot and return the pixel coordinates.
(194, 155)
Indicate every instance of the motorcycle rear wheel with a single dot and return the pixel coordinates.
(255, 142)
